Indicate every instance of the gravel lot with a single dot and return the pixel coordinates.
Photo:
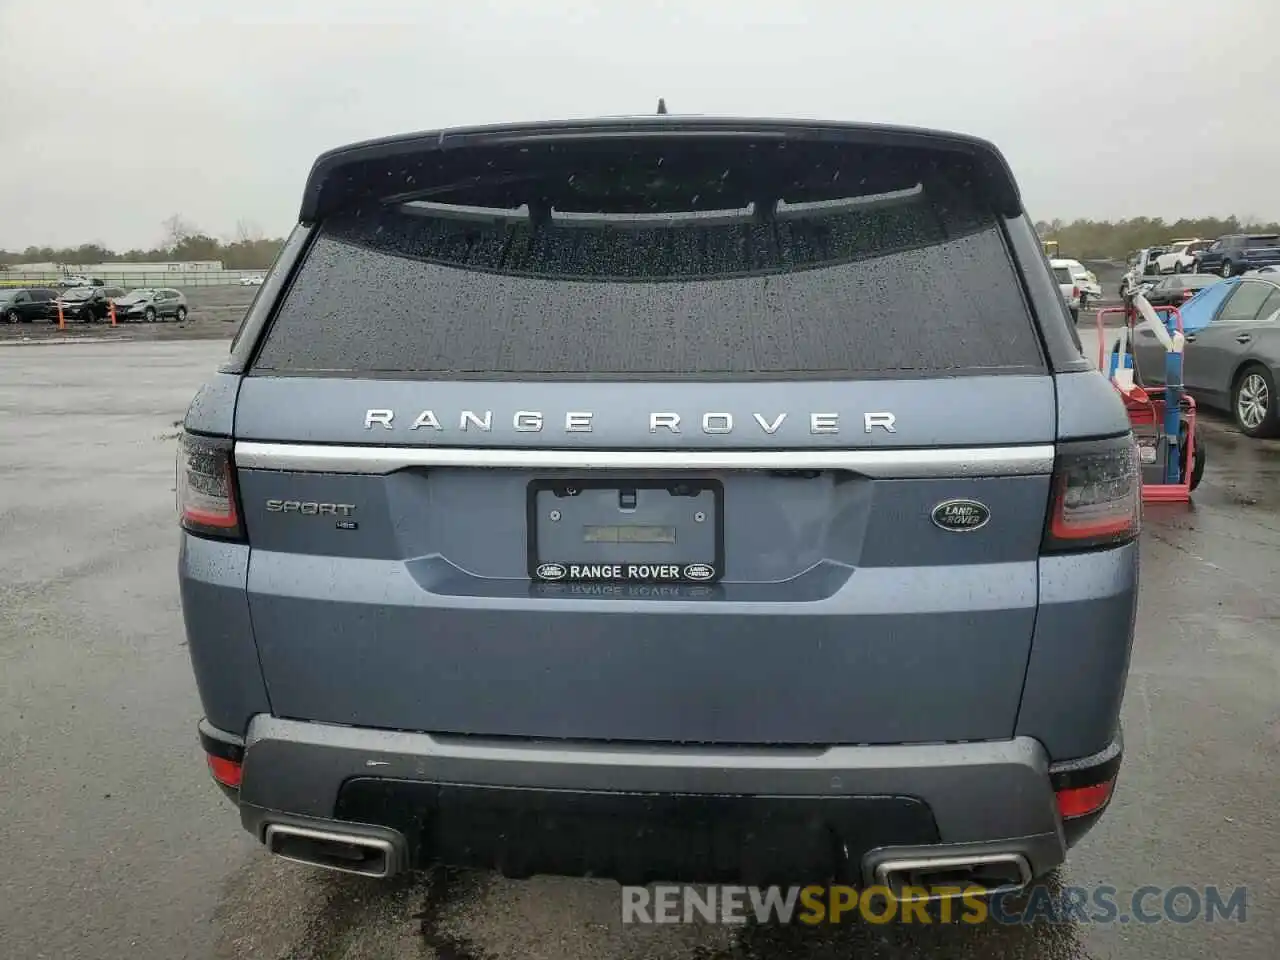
(215, 312)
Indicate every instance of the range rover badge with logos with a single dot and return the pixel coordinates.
(961, 516)
(645, 573)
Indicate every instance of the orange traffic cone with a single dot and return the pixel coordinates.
(62, 321)
(111, 308)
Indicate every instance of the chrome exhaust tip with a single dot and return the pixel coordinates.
(951, 877)
(367, 856)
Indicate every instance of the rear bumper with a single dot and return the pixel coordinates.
(640, 813)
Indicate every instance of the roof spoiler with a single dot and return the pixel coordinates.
(361, 172)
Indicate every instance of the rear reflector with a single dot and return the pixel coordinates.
(1082, 801)
(206, 487)
(226, 772)
(1096, 498)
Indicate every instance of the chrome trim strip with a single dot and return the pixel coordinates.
(895, 463)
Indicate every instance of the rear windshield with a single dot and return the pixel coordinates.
(912, 282)
(1063, 274)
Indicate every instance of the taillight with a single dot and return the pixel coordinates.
(226, 772)
(1082, 801)
(1096, 498)
(206, 487)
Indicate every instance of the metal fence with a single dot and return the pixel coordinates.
(168, 278)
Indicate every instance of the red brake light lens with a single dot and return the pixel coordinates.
(206, 487)
(1096, 498)
(226, 772)
(1082, 801)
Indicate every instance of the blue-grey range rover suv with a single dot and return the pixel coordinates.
(662, 498)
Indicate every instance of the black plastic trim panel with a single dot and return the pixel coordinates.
(636, 837)
(219, 743)
(340, 174)
(1088, 771)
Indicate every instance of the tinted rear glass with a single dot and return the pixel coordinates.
(1271, 241)
(1063, 274)
(907, 282)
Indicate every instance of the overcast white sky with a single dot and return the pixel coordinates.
(215, 110)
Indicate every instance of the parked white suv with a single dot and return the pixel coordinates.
(1181, 256)
(1069, 286)
(1090, 288)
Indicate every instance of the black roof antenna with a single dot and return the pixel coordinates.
(662, 106)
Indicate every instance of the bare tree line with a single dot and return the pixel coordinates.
(1106, 239)
(247, 249)
(250, 249)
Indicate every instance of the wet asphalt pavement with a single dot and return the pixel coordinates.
(114, 844)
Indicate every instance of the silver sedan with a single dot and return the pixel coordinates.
(1231, 361)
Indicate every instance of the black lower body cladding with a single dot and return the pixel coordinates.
(703, 814)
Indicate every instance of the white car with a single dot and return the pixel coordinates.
(1090, 288)
(1068, 285)
(1180, 257)
(251, 281)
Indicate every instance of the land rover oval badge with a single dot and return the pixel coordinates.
(551, 571)
(699, 571)
(961, 516)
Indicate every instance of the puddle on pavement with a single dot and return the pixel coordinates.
(1240, 472)
(278, 911)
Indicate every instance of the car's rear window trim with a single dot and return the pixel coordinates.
(781, 210)
(260, 317)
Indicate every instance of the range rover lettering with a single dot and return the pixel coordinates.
(534, 421)
(734, 504)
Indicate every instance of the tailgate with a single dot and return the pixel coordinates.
(398, 586)
(743, 444)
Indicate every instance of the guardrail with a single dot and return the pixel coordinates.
(172, 278)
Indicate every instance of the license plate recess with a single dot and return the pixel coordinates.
(626, 531)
